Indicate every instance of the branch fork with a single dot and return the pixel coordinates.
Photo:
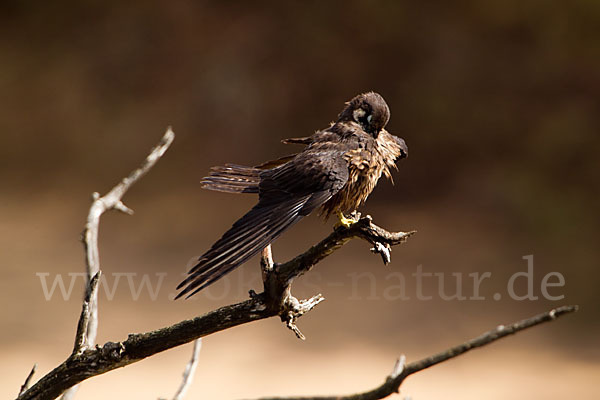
(279, 295)
(294, 309)
(277, 278)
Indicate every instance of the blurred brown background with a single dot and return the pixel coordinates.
(498, 101)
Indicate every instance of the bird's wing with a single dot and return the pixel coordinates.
(286, 194)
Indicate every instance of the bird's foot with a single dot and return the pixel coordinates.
(346, 222)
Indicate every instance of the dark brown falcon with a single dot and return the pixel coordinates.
(336, 172)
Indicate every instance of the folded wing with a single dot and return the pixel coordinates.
(287, 193)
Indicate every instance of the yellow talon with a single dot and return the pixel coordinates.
(345, 222)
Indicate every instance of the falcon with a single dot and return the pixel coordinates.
(335, 173)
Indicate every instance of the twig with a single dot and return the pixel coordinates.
(188, 373)
(295, 308)
(25, 384)
(84, 319)
(87, 326)
(398, 367)
(399, 373)
(112, 200)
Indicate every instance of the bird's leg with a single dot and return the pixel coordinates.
(345, 222)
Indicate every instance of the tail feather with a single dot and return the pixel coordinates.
(301, 140)
(232, 178)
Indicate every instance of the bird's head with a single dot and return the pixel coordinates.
(369, 110)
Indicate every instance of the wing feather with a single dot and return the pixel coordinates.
(287, 193)
(254, 231)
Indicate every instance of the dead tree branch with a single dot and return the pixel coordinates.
(402, 371)
(111, 200)
(188, 373)
(275, 300)
(82, 339)
(25, 384)
(87, 326)
(279, 277)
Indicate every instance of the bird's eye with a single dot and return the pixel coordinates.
(369, 118)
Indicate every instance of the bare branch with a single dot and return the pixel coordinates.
(398, 367)
(384, 250)
(101, 359)
(111, 200)
(25, 384)
(188, 373)
(400, 372)
(276, 300)
(277, 278)
(266, 261)
(87, 327)
(364, 229)
(295, 308)
(84, 319)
